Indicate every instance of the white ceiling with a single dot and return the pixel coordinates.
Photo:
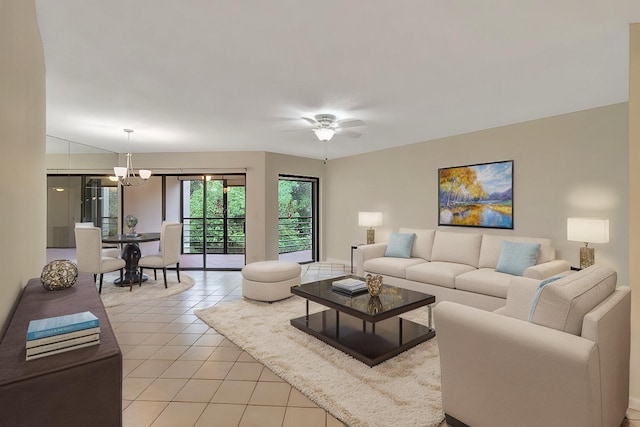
(205, 75)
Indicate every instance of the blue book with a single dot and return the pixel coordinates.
(61, 325)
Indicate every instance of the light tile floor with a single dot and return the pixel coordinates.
(177, 372)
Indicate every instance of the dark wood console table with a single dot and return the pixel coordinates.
(81, 387)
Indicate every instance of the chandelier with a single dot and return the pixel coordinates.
(127, 175)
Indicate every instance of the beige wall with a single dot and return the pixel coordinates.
(145, 203)
(569, 165)
(22, 166)
(634, 208)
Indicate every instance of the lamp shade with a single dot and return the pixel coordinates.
(588, 230)
(370, 219)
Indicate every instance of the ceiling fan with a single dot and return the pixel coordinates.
(326, 125)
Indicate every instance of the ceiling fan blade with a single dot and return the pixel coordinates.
(348, 123)
(311, 121)
(295, 130)
(349, 133)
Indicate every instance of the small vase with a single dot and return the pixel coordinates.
(374, 306)
(374, 284)
(131, 222)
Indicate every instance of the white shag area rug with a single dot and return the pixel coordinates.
(403, 391)
(113, 295)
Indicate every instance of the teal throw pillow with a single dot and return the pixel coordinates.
(517, 257)
(536, 296)
(400, 245)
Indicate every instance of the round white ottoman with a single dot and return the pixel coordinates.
(270, 280)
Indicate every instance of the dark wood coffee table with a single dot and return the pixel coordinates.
(366, 328)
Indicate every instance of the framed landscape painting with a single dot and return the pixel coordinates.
(476, 195)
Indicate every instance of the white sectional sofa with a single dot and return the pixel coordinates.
(556, 355)
(457, 266)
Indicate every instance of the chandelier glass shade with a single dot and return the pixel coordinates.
(126, 175)
(324, 134)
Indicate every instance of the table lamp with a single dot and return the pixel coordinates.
(587, 230)
(370, 219)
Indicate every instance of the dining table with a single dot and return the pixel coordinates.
(131, 253)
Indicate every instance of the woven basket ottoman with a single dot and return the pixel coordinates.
(269, 280)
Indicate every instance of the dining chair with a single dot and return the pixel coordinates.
(108, 250)
(89, 254)
(169, 254)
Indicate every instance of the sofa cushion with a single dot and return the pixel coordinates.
(485, 281)
(517, 257)
(459, 248)
(437, 273)
(563, 304)
(519, 297)
(388, 266)
(400, 245)
(492, 246)
(423, 242)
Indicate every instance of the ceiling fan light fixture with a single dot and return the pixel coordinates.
(324, 134)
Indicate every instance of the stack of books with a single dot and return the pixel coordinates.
(349, 286)
(54, 335)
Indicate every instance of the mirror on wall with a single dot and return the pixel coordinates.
(79, 190)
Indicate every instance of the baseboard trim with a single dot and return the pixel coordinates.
(634, 403)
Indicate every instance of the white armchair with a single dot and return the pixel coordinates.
(170, 245)
(568, 366)
(89, 254)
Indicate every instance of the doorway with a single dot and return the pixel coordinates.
(213, 214)
(298, 219)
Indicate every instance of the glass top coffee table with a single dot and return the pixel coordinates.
(366, 328)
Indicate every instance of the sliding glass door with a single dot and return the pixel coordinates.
(213, 217)
(298, 219)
